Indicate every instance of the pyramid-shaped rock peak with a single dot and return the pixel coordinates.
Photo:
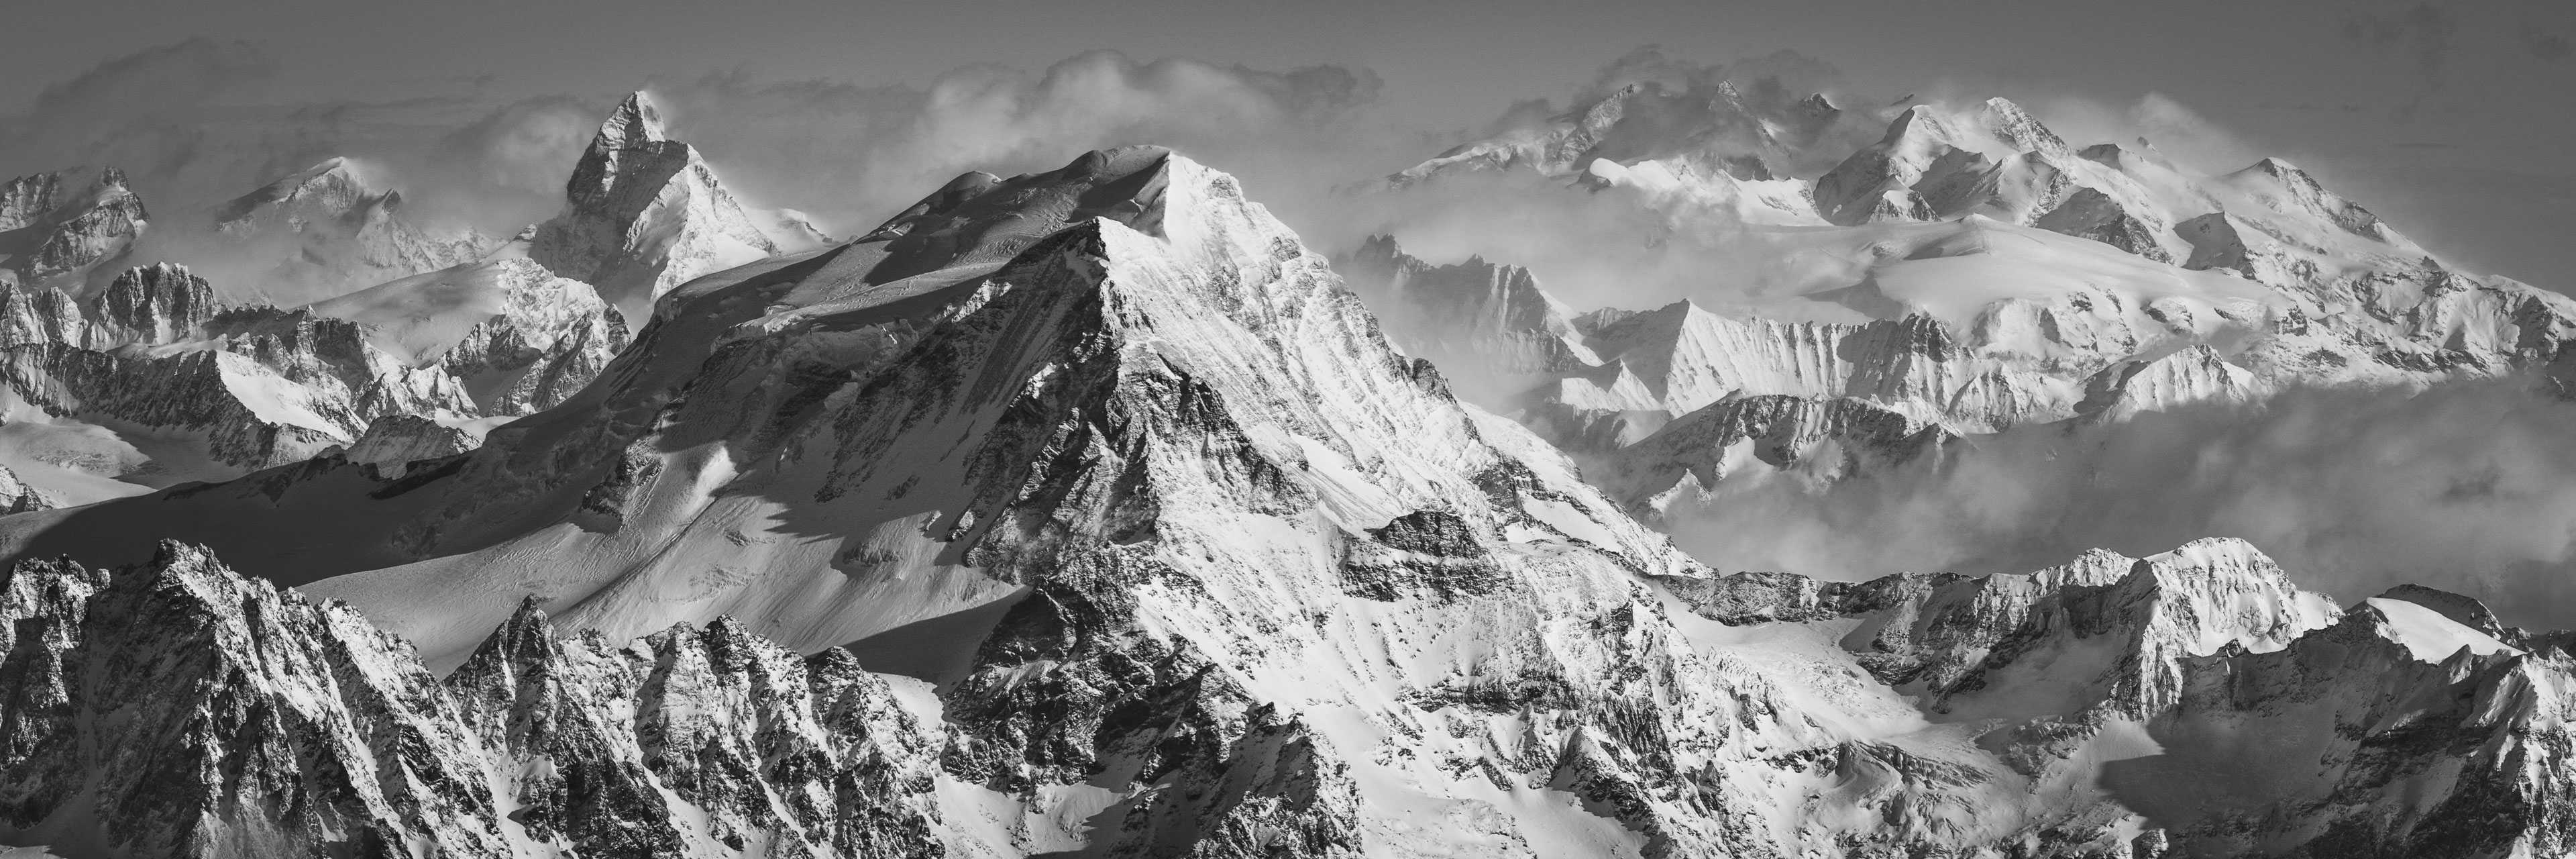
(635, 122)
(644, 213)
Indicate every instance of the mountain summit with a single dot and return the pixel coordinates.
(332, 230)
(644, 213)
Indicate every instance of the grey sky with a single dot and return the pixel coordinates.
(2453, 119)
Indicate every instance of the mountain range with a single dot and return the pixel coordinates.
(1967, 273)
(1092, 512)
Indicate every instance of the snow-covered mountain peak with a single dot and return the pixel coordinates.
(982, 219)
(2281, 187)
(2011, 124)
(335, 188)
(57, 228)
(644, 213)
(332, 229)
(630, 140)
(635, 122)
(1919, 124)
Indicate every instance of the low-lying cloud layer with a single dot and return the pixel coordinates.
(2468, 487)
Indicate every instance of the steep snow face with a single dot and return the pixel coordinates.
(56, 228)
(643, 214)
(331, 230)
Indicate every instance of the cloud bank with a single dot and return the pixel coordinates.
(2469, 487)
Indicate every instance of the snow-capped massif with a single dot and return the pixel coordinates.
(1087, 512)
(1970, 271)
(330, 230)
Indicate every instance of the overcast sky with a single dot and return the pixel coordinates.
(2452, 119)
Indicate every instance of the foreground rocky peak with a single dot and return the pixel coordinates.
(177, 709)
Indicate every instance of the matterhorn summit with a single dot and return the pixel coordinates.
(644, 213)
